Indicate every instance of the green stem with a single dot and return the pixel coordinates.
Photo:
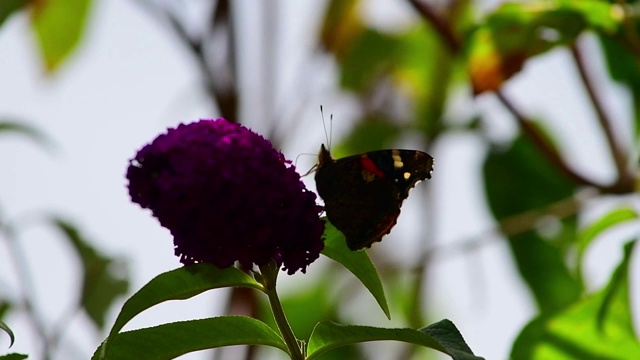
(25, 283)
(270, 274)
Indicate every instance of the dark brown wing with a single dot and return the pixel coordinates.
(363, 193)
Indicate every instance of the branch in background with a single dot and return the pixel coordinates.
(630, 28)
(625, 181)
(511, 226)
(440, 25)
(225, 90)
(542, 144)
(25, 288)
(223, 93)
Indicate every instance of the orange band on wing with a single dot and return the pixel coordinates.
(370, 166)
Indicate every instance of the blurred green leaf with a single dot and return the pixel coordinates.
(599, 15)
(615, 217)
(104, 278)
(599, 327)
(370, 56)
(316, 296)
(606, 222)
(59, 26)
(523, 179)
(30, 132)
(614, 313)
(371, 133)
(442, 336)
(357, 262)
(411, 66)
(622, 63)
(624, 67)
(519, 181)
(169, 341)
(5, 305)
(7, 329)
(423, 71)
(342, 25)
(297, 305)
(8, 7)
(514, 32)
(13, 356)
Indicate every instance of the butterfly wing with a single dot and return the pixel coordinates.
(363, 193)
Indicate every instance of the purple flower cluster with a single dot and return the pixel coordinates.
(227, 195)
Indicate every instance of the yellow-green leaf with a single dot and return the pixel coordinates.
(598, 327)
(59, 26)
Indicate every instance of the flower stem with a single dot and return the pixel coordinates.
(270, 274)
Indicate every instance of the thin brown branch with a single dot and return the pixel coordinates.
(440, 25)
(27, 293)
(625, 180)
(511, 226)
(224, 95)
(227, 94)
(630, 27)
(543, 145)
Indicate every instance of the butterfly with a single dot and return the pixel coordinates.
(363, 193)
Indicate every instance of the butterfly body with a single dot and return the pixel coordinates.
(363, 193)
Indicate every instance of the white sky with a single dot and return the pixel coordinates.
(131, 79)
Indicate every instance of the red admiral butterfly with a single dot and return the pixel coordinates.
(363, 193)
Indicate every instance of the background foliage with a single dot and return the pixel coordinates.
(419, 83)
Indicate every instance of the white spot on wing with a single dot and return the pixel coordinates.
(397, 160)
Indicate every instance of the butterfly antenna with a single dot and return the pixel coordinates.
(330, 131)
(324, 125)
(313, 168)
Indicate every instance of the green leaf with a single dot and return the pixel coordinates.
(516, 31)
(342, 24)
(423, 71)
(298, 303)
(13, 356)
(7, 329)
(30, 132)
(370, 133)
(615, 309)
(615, 217)
(180, 284)
(622, 65)
(599, 327)
(319, 296)
(520, 181)
(448, 335)
(357, 262)
(370, 55)
(59, 26)
(442, 336)
(169, 341)
(599, 15)
(5, 305)
(104, 278)
(8, 7)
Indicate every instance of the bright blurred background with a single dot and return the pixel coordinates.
(133, 75)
